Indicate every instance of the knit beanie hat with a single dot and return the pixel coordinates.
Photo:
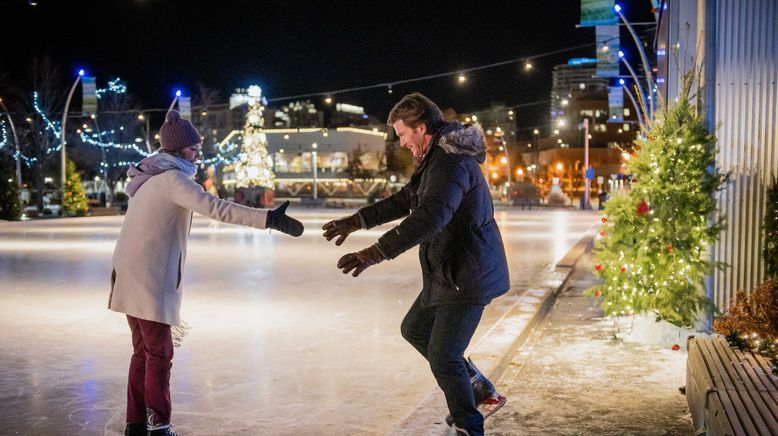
(177, 133)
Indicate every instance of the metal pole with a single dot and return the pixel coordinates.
(649, 116)
(146, 131)
(18, 149)
(587, 182)
(104, 165)
(508, 165)
(173, 103)
(635, 105)
(63, 135)
(644, 59)
(314, 161)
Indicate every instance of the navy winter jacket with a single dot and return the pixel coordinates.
(451, 216)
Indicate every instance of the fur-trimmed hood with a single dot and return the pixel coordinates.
(467, 139)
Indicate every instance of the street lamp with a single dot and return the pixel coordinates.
(175, 99)
(146, 131)
(63, 136)
(643, 58)
(634, 105)
(315, 164)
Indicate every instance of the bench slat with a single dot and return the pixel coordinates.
(733, 407)
(749, 393)
(753, 371)
(706, 408)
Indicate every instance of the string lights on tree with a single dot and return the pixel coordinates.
(253, 167)
(653, 257)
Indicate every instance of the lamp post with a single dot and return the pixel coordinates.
(587, 182)
(18, 150)
(175, 99)
(314, 164)
(634, 105)
(637, 83)
(63, 134)
(643, 58)
(146, 132)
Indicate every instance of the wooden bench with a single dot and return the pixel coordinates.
(730, 392)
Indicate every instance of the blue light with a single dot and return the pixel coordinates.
(581, 61)
(621, 81)
(617, 7)
(81, 72)
(621, 54)
(178, 93)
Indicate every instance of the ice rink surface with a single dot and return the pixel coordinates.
(281, 342)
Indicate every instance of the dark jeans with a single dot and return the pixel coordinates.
(441, 334)
(148, 386)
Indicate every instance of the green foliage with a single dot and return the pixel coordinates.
(770, 249)
(75, 200)
(10, 208)
(653, 256)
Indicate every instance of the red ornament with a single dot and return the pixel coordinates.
(676, 347)
(597, 293)
(604, 220)
(598, 267)
(776, 232)
(602, 233)
(643, 208)
(669, 247)
(623, 269)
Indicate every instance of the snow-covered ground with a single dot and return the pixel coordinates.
(281, 341)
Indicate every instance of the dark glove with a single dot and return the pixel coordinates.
(360, 260)
(278, 220)
(341, 228)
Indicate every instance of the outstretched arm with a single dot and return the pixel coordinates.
(393, 207)
(188, 194)
(436, 208)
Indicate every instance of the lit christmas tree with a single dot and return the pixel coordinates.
(254, 167)
(653, 253)
(75, 200)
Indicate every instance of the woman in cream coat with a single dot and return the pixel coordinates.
(148, 263)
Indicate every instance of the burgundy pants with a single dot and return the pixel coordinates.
(148, 386)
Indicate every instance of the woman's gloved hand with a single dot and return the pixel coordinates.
(277, 219)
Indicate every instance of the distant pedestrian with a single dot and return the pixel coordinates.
(148, 264)
(450, 215)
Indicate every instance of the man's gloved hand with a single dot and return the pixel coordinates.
(360, 260)
(278, 219)
(341, 228)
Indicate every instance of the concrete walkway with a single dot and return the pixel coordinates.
(572, 378)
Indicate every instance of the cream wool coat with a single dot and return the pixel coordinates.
(148, 261)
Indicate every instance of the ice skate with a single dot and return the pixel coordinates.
(487, 399)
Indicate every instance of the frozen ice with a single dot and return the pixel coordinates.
(281, 341)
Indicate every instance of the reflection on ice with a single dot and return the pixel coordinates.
(276, 328)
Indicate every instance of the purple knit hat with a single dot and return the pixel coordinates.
(177, 133)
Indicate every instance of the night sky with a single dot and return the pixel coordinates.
(292, 47)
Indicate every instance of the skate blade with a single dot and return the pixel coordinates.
(492, 405)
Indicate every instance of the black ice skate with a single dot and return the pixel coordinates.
(487, 399)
